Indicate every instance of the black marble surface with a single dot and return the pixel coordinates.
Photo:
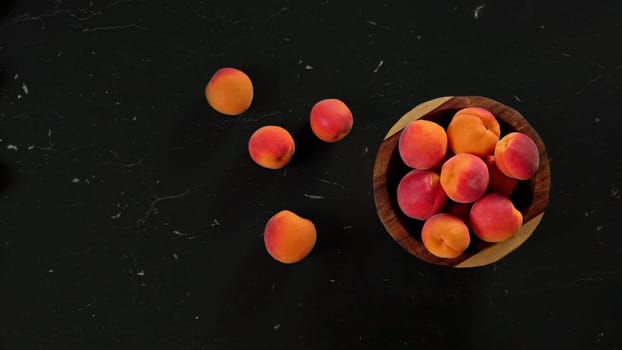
(131, 216)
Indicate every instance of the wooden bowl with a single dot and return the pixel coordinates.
(530, 197)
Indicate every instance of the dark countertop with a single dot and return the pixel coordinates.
(131, 215)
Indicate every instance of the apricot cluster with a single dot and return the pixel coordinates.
(273, 147)
(462, 179)
(288, 237)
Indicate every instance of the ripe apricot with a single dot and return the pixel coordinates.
(422, 144)
(229, 91)
(288, 237)
(271, 147)
(331, 120)
(473, 130)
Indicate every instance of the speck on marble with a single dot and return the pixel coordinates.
(364, 151)
(378, 66)
(334, 183)
(477, 10)
(375, 24)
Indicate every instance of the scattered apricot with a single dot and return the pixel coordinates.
(229, 91)
(331, 120)
(288, 237)
(271, 147)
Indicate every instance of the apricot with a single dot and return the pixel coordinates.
(271, 147)
(420, 195)
(498, 181)
(445, 236)
(288, 237)
(517, 156)
(464, 177)
(460, 210)
(229, 91)
(473, 130)
(493, 218)
(422, 144)
(331, 120)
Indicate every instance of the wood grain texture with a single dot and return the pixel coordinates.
(416, 113)
(531, 197)
(497, 251)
